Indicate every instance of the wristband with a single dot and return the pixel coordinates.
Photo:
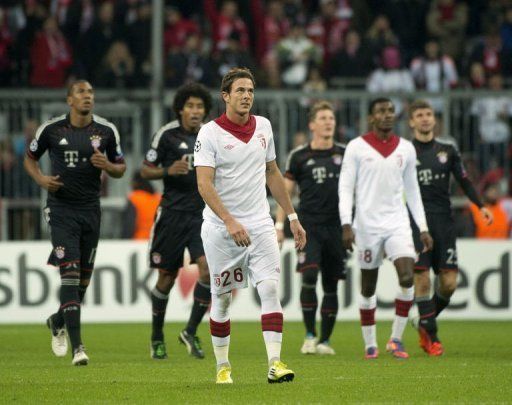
(279, 226)
(292, 217)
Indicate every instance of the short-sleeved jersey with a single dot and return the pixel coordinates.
(70, 150)
(171, 143)
(380, 173)
(436, 160)
(317, 173)
(240, 166)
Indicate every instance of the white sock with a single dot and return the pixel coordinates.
(400, 321)
(273, 342)
(369, 331)
(221, 355)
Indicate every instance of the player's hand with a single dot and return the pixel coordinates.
(178, 168)
(99, 160)
(348, 238)
(428, 242)
(299, 234)
(237, 231)
(489, 218)
(51, 183)
(280, 237)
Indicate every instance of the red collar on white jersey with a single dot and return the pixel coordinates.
(242, 132)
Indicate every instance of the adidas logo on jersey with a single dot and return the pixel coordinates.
(310, 162)
(183, 145)
(63, 141)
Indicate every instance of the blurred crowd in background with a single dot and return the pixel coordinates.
(312, 45)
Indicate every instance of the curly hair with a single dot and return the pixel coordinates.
(191, 90)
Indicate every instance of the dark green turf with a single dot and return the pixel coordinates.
(477, 367)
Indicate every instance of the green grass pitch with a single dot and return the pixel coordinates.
(477, 367)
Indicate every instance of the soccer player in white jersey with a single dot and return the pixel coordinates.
(380, 167)
(234, 159)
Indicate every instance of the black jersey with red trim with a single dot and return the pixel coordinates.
(171, 143)
(70, 150)
(436, 160)
(317, 174)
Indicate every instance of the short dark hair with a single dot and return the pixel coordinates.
(376, 101)
(319, 106)
(232, 75)
(72, 85)
(191, 90)
(419, 105)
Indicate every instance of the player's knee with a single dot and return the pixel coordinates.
(165, 281)
(422, 284)
(219, 311)
(368, 290)
(310, 277)
(447, 288)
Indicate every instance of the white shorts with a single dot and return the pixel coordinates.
(395, 244)
(231, 266)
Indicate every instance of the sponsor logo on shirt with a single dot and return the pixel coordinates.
(399, 160)
(95, 141)
(63, 141)
(442, 157)
(60, 252)
(229, 147)
(197, 146)
(310, 162)
(183, 145)
(263, 141)
(336, 159)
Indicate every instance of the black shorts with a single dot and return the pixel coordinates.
(324, 251)
(444, 255)
(75, 233)
(172, 232)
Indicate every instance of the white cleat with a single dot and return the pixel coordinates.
(79, 357)
(59, 338)
(309, 346)
(324, 348)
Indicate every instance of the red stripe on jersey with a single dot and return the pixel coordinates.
(402, 307)
(384, 147)
(272, 322)
(220, 329)
(242, 132)
(367, 316)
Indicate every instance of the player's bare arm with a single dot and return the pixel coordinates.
(100, 161)
(205, 176)
(280, 214)
(178, 168)
(277, 186)
(50, 183)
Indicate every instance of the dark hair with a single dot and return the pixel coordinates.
(191, 90)
(376, 101)
(72, 85)
(419, 105)
(232, 75)
(319, 106)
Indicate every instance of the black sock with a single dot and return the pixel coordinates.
(440, 303)
(58, 318)
(159, 305)
(309, 303)
(81, 292)
(329, 310)
(427, 312)
(70, 306)
(202, 299)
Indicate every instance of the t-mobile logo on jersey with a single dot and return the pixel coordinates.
(319, 174)
(189, 158)
(71, 157)
(425, 176)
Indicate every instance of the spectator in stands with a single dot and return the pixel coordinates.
(506, 30)
(225, 22)
(446, 21)
(50, 56)
(139, 42)
(477, 79)
(493, 115)
(140, 210)
(500, 228)
(296, 54)
(190, 64)
(380, 35)
(117, 69)
(391, 76)
(98, 39)
(233, 55)
(177, 30)
(353, 61)
(492, 55)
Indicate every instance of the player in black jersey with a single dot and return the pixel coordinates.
(179, 217)
(437, 159)
(315, 168)
(80, 146)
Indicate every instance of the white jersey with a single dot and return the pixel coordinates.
(380, 173)
(240, 169)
